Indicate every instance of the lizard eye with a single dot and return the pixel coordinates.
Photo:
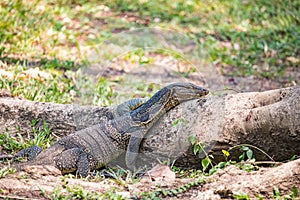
(144, 118)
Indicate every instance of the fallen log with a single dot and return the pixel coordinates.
(268, 120)
(18, 116)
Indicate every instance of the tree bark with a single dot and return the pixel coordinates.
(17, 116)
(267, 120)
(270, 121)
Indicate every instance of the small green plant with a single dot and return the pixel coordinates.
(11, 143)
(190, 173)
(295, 192)
(43, 192)
(206, 162)
(293, 195)
(276, 193)
(138, 55)
(226, 154)
(223, 164)
(104, 93)
(247, 164)
(81, 193)
(123, 176)
(41, 137)
(247, 157)
(198, 147)
(241, 196)
(294, 157)
(58, 194)
(111, 194)
(178, 121)
(157, 194)
(5, 171)
(78, 192)
(247, 153)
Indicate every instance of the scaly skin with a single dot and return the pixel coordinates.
(93, 147)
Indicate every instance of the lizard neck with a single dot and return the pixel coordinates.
(155, 107)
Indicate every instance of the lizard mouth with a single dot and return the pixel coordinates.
(205, 91)
(199, 91)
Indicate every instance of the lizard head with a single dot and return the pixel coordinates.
(166, 99)
(186, 91)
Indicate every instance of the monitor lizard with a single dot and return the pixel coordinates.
(91, 148)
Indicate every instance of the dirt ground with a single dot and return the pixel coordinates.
(42, 182)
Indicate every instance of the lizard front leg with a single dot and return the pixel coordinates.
(134, 146)
(71, 160)
(30, 153)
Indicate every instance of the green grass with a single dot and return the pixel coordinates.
(78, 192)
(240, 38)
(260, 36)
(39, 136)
(5, 171)
(38, 85)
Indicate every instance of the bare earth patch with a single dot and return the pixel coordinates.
(41, 181)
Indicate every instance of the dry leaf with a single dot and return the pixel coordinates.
(159, 173)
